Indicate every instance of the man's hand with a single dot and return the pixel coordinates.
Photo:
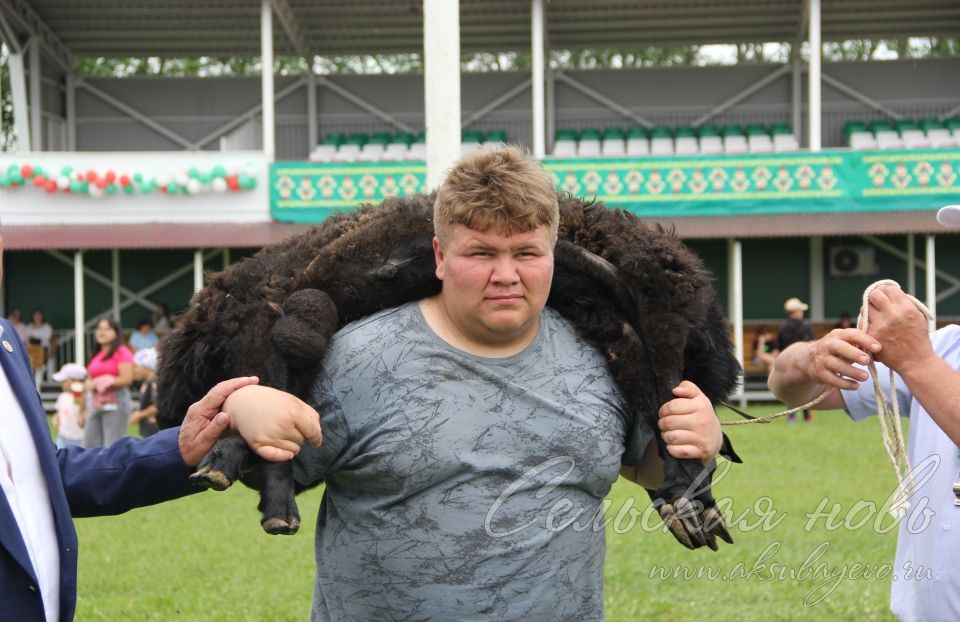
(273, 423)
(689, 426)
(205, 423)
(901, 327)
(830, 361)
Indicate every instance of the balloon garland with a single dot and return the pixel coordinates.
(219, 179)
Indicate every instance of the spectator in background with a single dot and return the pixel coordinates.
(765, 348)
(38, 330)
(844, 321)
(111, 374)
(143, 337)
(161, 320)
(16, 319)
(144, 372)
(71, 409)
(795, 330)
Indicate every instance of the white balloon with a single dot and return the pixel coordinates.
(250, 170)
(219, 185)
(95, 192)
(63, 182)
(193, 186)
(182, 179)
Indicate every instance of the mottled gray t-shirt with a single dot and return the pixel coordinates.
(460, 487)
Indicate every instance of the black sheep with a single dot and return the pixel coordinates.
(637, 293)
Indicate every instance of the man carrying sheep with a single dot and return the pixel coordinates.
(471, 437)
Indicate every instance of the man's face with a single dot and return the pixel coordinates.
(494, 285)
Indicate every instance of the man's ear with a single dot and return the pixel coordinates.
(438, 257)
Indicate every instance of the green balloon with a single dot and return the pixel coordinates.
(12, 168)
(205, 178)
(66, 170)
(111, 189)
(247, 182)
(219, 171)
(4, 181)
(172, 188)
(193, 173)
(76, 187)
(129, 189)
(138, 177)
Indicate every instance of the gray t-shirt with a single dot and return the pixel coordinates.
(453, 481)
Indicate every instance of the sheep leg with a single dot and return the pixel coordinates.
(278, 507)
(686, 503)
(223, 465)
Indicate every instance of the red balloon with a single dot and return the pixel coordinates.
(91, 176)
(39, 181)
(110, 177)
(50, 186)
(124, 180)
(26, 170)
(100, 183)
(233, 183)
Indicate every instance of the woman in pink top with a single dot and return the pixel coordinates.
(110, 375)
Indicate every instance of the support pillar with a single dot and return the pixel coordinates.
(735, 298)
(266, 78)
(18, 90)
(931, 280)
(115, 282)
(36, 96)
(911, 264)
(813, 89)
(537, 86)
(197, 270)
(70, 88)
(796, 95)
(441, 61)
(817, 303)
(79, 356)
(313, 138)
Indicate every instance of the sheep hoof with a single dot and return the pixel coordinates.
(681, 518)
(280, 527)
(209, 478)
(714, 526)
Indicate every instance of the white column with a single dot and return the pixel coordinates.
(79, 356)
(115, 282)
(735, 295)
(441, 78)
(70, 87)
(911, 264)
(266, 78)
(931, 285)
(18, 90)
(197, 270)
(226, 258)
(312, 136)
(813, 89)
(796, 95)
(816, 279)
(537, 85)
(36, 96)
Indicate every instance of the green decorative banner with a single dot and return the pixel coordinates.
(836, 181)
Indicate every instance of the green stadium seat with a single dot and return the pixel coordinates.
(710, 141)
(685, 142)
(638, 141)
(661, 140)
(613, 144)
(334, 138)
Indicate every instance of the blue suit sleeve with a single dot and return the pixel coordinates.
(128, 474)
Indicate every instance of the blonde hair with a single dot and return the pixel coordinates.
(500, 190)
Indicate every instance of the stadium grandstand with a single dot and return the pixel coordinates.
(800, 178)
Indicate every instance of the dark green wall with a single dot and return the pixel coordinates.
(774, 270)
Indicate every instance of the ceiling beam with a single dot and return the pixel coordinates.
(284, 13)
(22, 12)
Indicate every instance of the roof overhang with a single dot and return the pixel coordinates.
(256, 235)
(171, 28)
(147, 235)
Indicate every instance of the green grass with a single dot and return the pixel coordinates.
(205, 557)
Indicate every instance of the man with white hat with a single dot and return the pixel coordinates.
(795, 330)
(926, 580)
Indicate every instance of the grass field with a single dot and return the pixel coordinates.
(205, 557)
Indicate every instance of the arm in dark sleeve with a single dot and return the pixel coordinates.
(128, 474)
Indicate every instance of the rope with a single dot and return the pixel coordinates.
(889, 415)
